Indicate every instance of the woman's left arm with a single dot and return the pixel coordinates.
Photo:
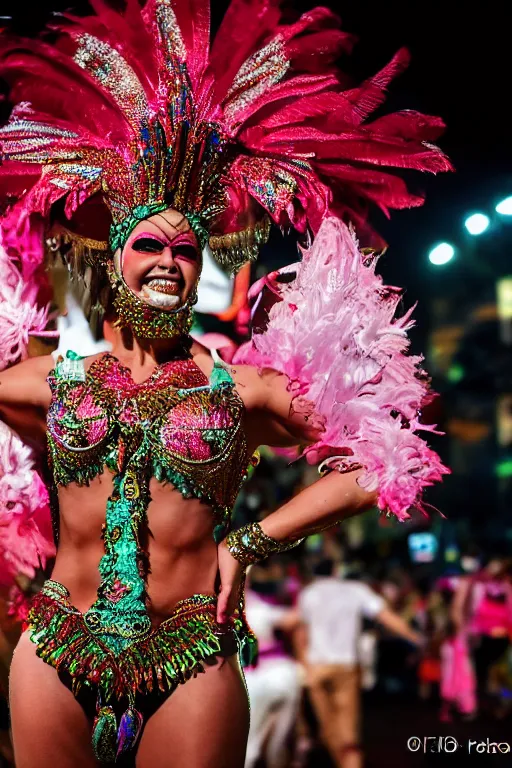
(330, 500)
(344, 387)
(326, 502)
(334, 496)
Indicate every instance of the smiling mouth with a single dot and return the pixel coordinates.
(161, 291)
(165, 285)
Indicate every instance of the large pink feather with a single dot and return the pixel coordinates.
(26, 539)
(25, 522)
(335, 335)
(20, 287)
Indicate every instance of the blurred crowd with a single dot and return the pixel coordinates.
(331, 636)
(338, 631)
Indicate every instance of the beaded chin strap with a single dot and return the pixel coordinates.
(143, 319)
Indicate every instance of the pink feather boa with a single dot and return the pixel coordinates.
(25, 527)
(25, 521)
(20, 288)
(335, 335)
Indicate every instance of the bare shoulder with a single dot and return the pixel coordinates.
(250, 382)
(36, 366)
(202, 357)
(252, 385)
(266, 394)
(269, 400)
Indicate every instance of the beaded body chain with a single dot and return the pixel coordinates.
(181, 428)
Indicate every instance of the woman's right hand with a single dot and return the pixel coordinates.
(231, 573)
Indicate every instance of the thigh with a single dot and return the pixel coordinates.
(49, 727)
(203, 724)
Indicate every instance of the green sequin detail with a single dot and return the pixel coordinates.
(120, 231)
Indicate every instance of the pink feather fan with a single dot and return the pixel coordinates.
(335, 335)
(25, 521)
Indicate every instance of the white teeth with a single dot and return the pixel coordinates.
(159, 299)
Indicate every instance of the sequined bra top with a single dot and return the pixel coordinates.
(177, 426)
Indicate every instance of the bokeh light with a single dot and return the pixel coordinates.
(441, 254)
(477, 223)
(505, 207)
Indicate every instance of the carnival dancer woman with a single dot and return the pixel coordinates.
(128, 118)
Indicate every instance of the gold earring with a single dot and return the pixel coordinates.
(192, 299)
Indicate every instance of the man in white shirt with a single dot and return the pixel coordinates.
(332, 611)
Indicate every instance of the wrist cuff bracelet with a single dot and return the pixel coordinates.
(250, 544)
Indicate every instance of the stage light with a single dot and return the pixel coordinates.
(477, 223)
(441, 254)
(505, 207)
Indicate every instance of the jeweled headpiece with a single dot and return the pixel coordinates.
(134, 109)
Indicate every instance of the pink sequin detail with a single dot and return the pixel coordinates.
(75, 395)
(88, 409)
(187, 425)
(97, 431)
(129, 414)
(189, 444)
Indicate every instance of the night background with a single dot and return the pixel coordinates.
(460, 70)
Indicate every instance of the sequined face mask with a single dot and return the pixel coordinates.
(156, 310)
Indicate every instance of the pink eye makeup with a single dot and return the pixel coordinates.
(182, 246)
(185, 250)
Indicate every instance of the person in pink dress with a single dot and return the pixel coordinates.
(482, 616)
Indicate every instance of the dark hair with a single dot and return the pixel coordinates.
(324, 567)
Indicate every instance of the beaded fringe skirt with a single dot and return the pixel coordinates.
(155, 663)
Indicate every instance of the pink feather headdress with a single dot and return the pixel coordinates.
(133, 109)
